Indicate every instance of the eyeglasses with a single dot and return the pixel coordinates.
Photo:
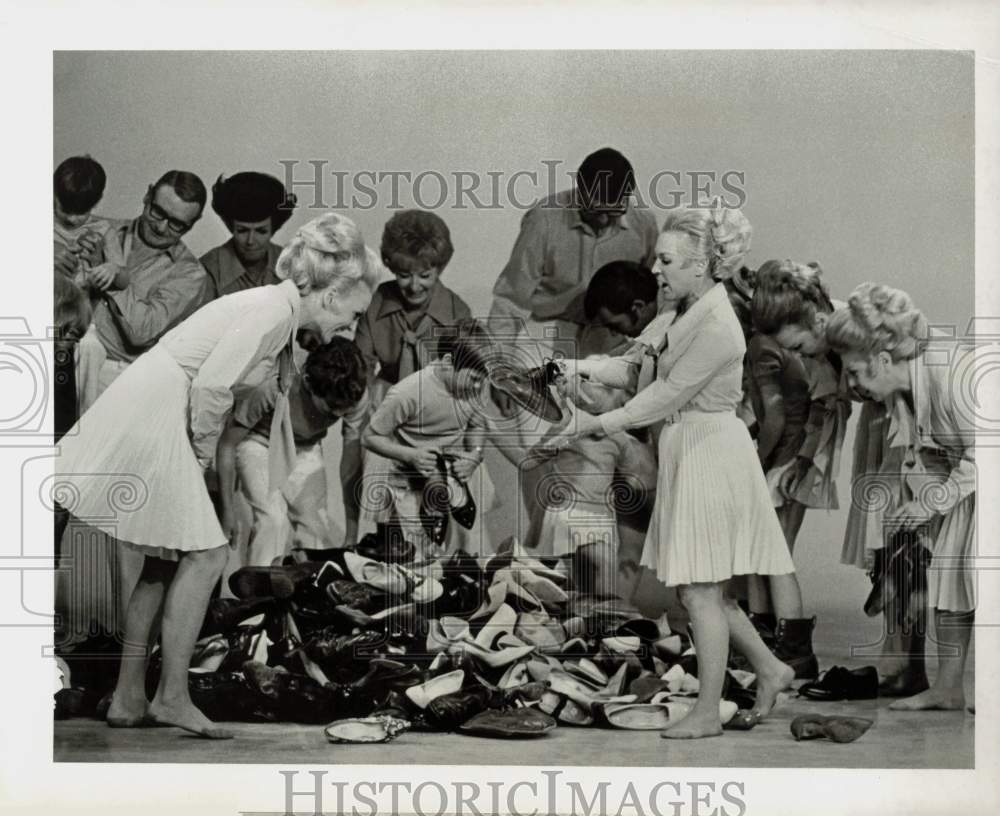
(174, 225)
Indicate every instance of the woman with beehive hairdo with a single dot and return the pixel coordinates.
(253, 206)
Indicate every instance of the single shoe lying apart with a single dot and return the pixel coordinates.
(358, 730)
(837, 729)
(839, 683)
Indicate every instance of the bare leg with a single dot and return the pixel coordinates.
(129, 705)
(184, 612)
(773, 676)
(758, 594)
(780, 594)
(704, 602)
(786, 597)
(954, 635)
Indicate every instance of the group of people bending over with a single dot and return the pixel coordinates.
(691, 411)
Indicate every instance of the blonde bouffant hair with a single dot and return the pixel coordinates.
(719, 235)
(328, 251)
(878, 318)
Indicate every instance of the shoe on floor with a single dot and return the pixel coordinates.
(359, 730)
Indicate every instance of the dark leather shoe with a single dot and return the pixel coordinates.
(384, 676)
(361, 597)
(226, 697)
(225, 614)
(392, 549)
(295, 697)
(530, 390)
(343, 656)
(451, 710)
(271, 582)
(512, 723)
(839, 683)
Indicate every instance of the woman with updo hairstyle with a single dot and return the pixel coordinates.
(160, 423)
(713, 517)
(253, 206)
(929, 471)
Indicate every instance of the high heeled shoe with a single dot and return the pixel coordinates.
(530, 389)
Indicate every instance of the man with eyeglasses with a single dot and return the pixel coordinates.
(165, 281)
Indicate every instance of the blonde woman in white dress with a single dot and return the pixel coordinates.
(152, 434)
(713, 517)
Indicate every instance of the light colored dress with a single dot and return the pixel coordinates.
(930, 458)
(713, 517)
(134, 467)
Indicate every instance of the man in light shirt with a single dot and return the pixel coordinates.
(165, 281)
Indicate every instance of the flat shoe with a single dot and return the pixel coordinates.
(514, 723)
(359, 730)
(634, 716)
(839, 683)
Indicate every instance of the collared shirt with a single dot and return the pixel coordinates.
(387, 329)
(164, 287)
(557, 253)
(231, 344)
(700, 370)
(228, 274)
(933, 444)
(309, 423)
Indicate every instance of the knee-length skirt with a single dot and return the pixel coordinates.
(714, 517)
(127, 467)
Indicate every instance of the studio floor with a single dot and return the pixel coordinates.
(921, 740)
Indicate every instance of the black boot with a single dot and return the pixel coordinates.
(793, 645)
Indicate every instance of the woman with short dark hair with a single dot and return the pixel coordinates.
(253, 206)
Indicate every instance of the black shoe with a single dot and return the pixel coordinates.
(361, 597)
(512, 723)
(383, 676)
(271, 582)
(343, 657)
(389, 548)
(530, 390)
(793, 645)
(225, 614)
(226, 697)
(839, 683)
(295, 697)
(451, 710)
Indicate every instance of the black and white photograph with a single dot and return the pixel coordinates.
(506, 427)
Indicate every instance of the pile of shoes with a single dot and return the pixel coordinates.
(373, 644)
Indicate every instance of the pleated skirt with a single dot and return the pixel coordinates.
(714, 517)
(128, 468)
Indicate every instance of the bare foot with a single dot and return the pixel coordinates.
(188, 717)
(694, 726)
(125, 712)
(769, 684)
(934, 699)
